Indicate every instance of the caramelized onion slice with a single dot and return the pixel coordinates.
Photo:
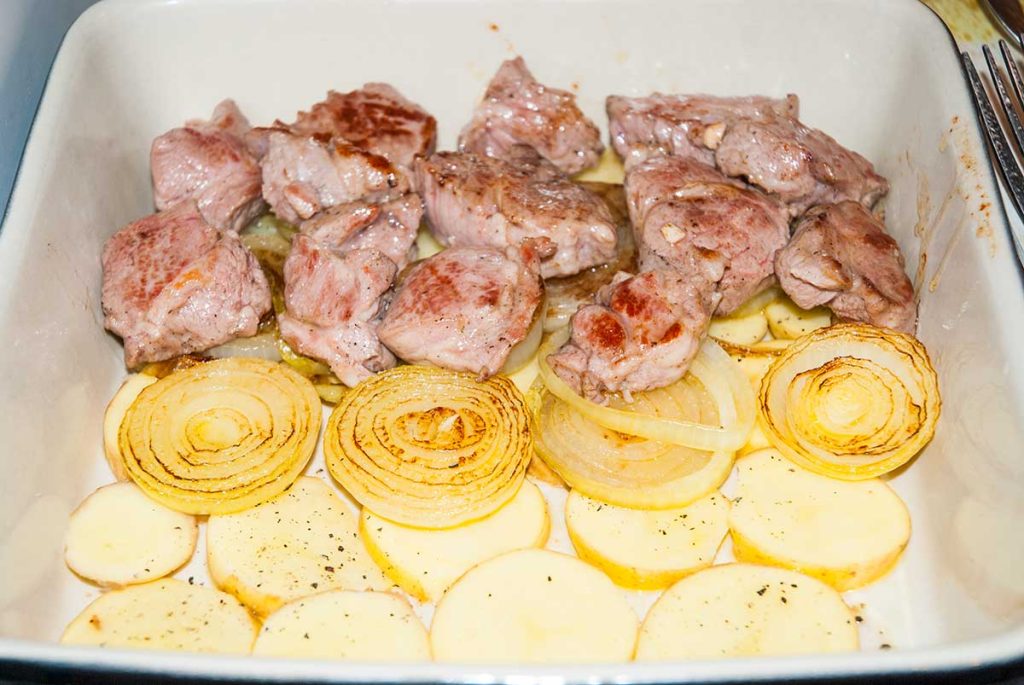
(222, 436)
(623, 469)
(851, 401)
(428, 447)
(650, 416)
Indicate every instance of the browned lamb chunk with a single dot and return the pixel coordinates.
(757, 139)
(518, 110)
(465, 308)
(478, 201)
(173, 284)
(683, 125)
(841, 256)
(376, 118)
(303, 176)
(642, 332)
(208, 162)
(390, 227)
(685, 213)
(334, 301)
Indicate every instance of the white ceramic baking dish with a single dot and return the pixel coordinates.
(880, 75)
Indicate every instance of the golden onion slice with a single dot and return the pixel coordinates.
(222, 436)
(851, 401)
(428, 447)
(655, 415)
(627, 470)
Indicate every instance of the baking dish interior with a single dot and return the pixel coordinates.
(881, 77)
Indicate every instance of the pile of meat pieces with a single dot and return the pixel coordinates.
(180, 281)
(346, 173)
(712, 188)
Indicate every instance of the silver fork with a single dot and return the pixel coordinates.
(1008, 156)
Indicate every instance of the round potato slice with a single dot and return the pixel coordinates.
(646, 549)
(359, 626)
(845, 533)
(739, 330)
(426, 561)
(746, 610)
(787, 320)
(533, 606)
(114, 416)
(165, 614)
(302, 542)
(118, 537)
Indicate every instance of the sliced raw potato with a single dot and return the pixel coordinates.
(118, 537)
(646, 549)
(114, 416)
(533, 606)
(301, 542)
(358, 626)
(845, 533)
(786, 320)
(742, 330)
(426, 561)
(746, 610)
(165, 614)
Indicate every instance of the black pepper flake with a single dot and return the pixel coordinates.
(314, 585)
(885, 645)
(329, 569)
(760, 593)
(858, 619)
(305, 636)
(549, 579)
(191, 580)
(783, 600)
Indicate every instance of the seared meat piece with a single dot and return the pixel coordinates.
(390, 227)
(375, 118)
(757, 139)
(479, 201)
(840, 255)
(208, 162)
(333, 305)
(689, 217)
(801, 166)
(642, 332)
(516, 109)
(303, 176)
(173, 284)
(683, 125)
(466, 307)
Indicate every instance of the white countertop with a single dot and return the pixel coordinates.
(30, 33)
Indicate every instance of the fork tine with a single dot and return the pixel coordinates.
(1018, 89)
(1004, 97)
(1005, 159)
(1011, 68)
